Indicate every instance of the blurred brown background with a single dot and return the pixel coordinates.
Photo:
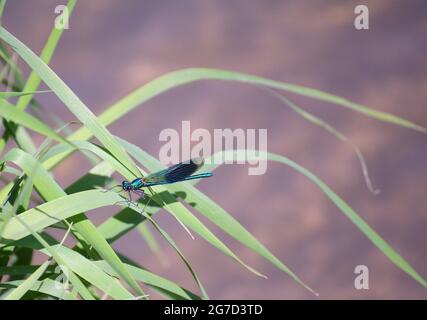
(113, 47)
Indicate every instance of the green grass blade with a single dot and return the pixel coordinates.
(46, 55)
(70, 99)
(149, 238)
(46, 286)
(163, 285)
(77, 264)
(9, 112)
(74, 263)
(24, 257)
(13, 81)
(59, 209)
(2, 4)
(21, 270)
(124, 221)
(185, 76)
(11, 170)
(11, 94)
(169, 239)
(326, 126)
(27, 189)
(80, 288)
(4, 193)
(50, 190)
(92, 273)
(154, 280)
(22, 137)
(26, 285)
(8, 62)
(97, 177)
(354, 217)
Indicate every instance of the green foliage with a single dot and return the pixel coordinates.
(93, 268)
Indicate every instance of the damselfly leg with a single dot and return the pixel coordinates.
(129, 201)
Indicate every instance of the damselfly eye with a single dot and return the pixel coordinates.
(126, 186)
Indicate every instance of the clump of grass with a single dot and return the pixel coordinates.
(94, 269)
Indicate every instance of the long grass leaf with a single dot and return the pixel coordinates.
(11, 94)
(10, 113)
(32, 84)
(70, 99)
(185, 76)
(323, 124)
(46, 286)
(92, 273)
(50, 190)
(26, 285)
(46, 55)
(2, 4)
(349, 212)
(155, 281)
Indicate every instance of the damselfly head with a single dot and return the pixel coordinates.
(126, 185)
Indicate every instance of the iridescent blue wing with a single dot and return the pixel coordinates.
(178, 172)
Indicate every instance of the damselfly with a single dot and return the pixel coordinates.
(179, 172)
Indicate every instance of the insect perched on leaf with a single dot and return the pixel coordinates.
(179, 172)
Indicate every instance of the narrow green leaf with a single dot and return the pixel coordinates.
(46, 55)
(57, 210)
(80, 288)
(149, 238)
(154, 280)
(21, 136)
(72, 263)
(92, 273)
(70, 99)
(46, 286)
(2, 4)
(11, 94)
(354, 217)
(323, 124)
(169, 239)
(9, 112)
(185, 76)
(50, 190)
(26, 285)
(97, 177)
